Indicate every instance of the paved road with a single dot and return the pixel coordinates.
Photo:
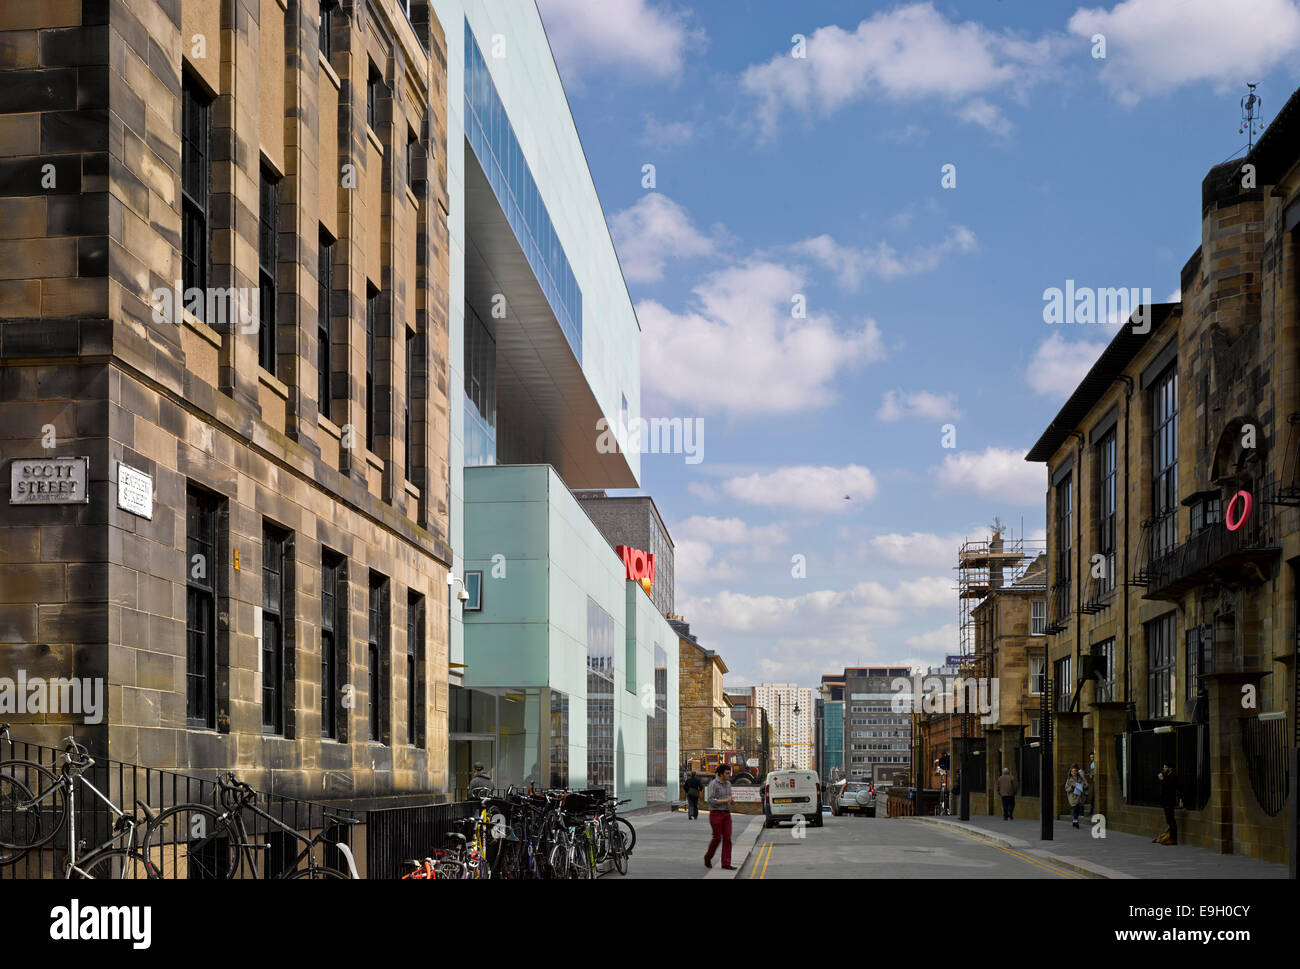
(670, 845)
(849, 847)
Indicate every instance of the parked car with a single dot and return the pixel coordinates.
(854, 797)
(788, 794)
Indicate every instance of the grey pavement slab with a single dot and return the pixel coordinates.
(879, 848)
(1117, 855)
(671, 845)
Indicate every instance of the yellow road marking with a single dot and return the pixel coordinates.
(1046, 866)
(770, 845)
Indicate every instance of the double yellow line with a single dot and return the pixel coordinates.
(764, 856)
(1038, 863)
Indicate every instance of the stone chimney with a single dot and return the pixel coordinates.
(995, 564)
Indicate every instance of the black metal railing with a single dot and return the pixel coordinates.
(1267, 761)
(1058, 607)
(125, 784)
(1098, 592)
(1029, 770)
(1288, 492)
(396, 835)
(977, 757)
(1170, 572)
(1186, 747)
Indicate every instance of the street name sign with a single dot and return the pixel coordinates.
(48, 481)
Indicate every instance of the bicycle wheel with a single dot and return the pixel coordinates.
(17, 826)
(559, 856)
(116, 864)
(193, 841)
(580, 857)
(618, 850)
(448, 868)
(34, 821)
(315, 873)
(629, 836)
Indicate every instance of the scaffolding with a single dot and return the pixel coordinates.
(982, 567)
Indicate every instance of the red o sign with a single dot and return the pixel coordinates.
(640, 565)
(1242, 499)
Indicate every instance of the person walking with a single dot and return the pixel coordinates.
(1007, 791)
(693, 787)
(1076, 789)
(480, 785)
(1169, 801)
(718, 796)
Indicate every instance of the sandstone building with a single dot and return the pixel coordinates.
(1173, 537)
(224, 271)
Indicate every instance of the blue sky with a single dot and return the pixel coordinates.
(820, 176)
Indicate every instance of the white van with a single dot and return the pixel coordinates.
(790, 793)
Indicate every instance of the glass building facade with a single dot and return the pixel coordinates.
(600, 697)
(480, 392)
(657, 725)
(832, 752)
(490, 134)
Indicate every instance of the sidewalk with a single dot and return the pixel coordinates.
(1118, 855)
(670, 845)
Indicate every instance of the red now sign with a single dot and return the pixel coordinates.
(640, 565)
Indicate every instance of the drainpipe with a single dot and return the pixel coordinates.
(1128, 394)
(1078, 551)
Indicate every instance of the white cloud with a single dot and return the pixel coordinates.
(987, 116)
(943, 640)
(1156, 46)
(730, 531)
(653, 231)
(905, 54)
(775, 363)
(917, 548)
(694, 553)
(666, 134)
(833, 613)
(703, 491)
(1058, 365)
(850, 265)
(806, 488)
(693, 563)
(636, 37)
(922, 404)
(998, 474)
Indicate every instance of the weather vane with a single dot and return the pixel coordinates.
(1252, 110)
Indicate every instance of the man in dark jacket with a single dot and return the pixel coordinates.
(480, 785)
(693, 787)
(1007, 791)
(1169, 800)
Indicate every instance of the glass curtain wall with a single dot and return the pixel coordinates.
(480, 392)
(600, 697)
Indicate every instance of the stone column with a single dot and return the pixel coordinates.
(1067, 749)
(1226, 711)
(1108, 786)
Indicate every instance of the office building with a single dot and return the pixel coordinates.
(877, 731)
(791, 711)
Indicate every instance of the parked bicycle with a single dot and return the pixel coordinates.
(548, 834)
(36, 805)
(212, 842)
